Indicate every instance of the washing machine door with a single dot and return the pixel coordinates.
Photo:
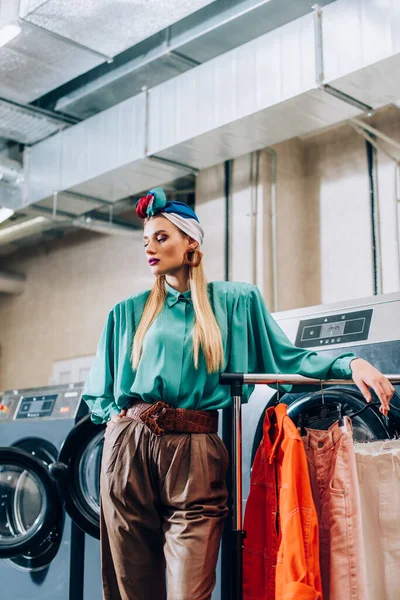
(30, 509)
(77, 473)
(320, 410)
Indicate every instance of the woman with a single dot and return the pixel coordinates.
(163, 495)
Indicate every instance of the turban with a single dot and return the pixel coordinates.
(178, 213)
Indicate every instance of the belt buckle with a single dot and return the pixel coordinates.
(151, 417)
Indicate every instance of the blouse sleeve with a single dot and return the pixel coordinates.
(98, 391)
(270, 351)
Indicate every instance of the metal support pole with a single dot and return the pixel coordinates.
(319, 66)
(274, 227)
(238, 534)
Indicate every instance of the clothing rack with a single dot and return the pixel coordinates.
(236, 381)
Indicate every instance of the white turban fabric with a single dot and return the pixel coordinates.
(189, 226)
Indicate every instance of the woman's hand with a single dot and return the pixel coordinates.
(116, 417)
(366, 376)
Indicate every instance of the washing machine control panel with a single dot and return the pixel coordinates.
(55, 402)
(334, 329)
(36, 406)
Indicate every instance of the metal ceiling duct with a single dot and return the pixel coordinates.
(106, 26)
(102, 157)
(258, 94)
(218, 28)
(362, 49)
(28, 125)
(61, 40)
(39, 61)
(11, 283)
(34, 63)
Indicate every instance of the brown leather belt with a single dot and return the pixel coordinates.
(161, 418)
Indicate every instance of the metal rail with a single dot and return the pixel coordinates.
(228, 378)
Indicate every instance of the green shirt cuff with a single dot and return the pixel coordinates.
(341, 368)
(99, 420)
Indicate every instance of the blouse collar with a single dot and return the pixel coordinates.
(173, 295)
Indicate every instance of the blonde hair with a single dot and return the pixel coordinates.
(206, 332)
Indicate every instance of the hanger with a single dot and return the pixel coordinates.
(324, 411)
(301, 424)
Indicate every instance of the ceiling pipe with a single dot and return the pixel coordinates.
(374, 131)
(11, 172)
(371, 139)
(107, 227)
(11, 283)
(274, 226)
(24, 229)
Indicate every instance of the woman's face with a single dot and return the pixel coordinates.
(165, 246)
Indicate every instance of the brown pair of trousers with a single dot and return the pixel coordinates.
(162, 504)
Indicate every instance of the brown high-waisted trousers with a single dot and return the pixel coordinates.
(163, 501)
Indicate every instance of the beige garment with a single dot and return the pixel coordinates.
(378, 466)
(163, 501)
(333, 475)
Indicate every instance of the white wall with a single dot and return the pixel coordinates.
(337, 178)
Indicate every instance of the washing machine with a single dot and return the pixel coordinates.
(369, 327)
(44, 553)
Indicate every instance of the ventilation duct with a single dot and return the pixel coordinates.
(105, 26)
(28, 125)
(218, 28)
(258, 94)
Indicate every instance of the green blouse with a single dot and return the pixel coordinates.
(252, 342)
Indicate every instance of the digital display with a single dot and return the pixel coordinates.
(36, 406)
(332, 329)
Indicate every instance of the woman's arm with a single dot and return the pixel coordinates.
(98, 392)
(271, 351)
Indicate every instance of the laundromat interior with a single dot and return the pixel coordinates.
(278, 123)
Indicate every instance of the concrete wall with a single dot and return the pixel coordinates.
(249, 205)
(324, 249)
(337, 182)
